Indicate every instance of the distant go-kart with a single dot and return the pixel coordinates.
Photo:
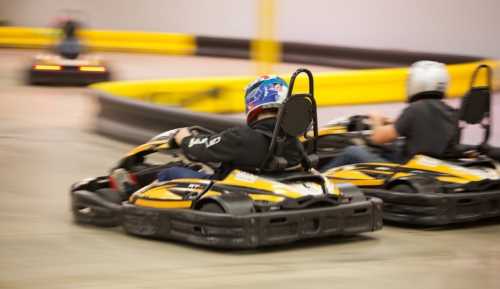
(426, 190)
(242, 209)
(54, 69)
(66, 63)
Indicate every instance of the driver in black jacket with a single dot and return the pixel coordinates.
(428, 125)
(235, 148)
(239, 147)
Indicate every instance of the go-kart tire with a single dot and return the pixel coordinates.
(99, 208)
(212, 207)
(403, 188)
(232, 203)
(353, 193)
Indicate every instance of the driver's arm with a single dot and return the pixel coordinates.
(383, 129)
(384, 134)
(220, 147)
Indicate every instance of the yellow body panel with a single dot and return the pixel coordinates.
(421, 162)
(454, 180)
(269, 198)
(170, 190)
(329, 130)
(348, 174)
(445, 172)
(161, 193)
(163, 204)
(400, 175)
(244, 179)
(171, 195)
(161, 144)
(361, 183)
(332, 130)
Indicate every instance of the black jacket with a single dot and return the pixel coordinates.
(430, 127)
(239, 147)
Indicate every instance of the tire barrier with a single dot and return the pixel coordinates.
(136, 121)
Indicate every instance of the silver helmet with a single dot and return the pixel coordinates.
(426, 76)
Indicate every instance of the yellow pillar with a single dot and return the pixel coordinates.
(264, 49)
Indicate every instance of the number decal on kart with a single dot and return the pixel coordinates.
(204, 140)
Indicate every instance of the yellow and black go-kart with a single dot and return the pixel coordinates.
(242, 209)
(66, 64)
(53, 69)
(426, 190)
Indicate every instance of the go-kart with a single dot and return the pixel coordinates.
(66, 64)
(53, 69)
(425, 190)
(273, 204)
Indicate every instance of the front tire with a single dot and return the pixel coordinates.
(211, 207)
(403, 188)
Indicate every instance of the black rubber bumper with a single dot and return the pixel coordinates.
(432, 209)
(254, 230)
(67, 77)
(89, 208)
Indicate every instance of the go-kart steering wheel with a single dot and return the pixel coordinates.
(358, 123)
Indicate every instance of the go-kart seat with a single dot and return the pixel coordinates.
(476, 104)
(476, 109)
(294, 119)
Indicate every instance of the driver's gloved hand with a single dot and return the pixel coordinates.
(123, 182)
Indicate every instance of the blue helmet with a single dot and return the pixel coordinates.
(265, 92)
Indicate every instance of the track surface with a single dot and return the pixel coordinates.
(46, 143)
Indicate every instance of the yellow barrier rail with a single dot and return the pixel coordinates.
(225, 95)
(24, 37)
(103, 40)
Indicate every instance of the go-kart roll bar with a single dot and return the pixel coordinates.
(489, 76)
(311, 98)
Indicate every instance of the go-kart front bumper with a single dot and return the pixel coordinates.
(253, 230)
(436, 209)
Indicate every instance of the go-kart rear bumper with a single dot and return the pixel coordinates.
(434, 209)
(66, 77)
(254, 230)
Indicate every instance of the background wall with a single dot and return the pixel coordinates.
(453, 26)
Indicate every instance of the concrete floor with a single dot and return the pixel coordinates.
(46, 143)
